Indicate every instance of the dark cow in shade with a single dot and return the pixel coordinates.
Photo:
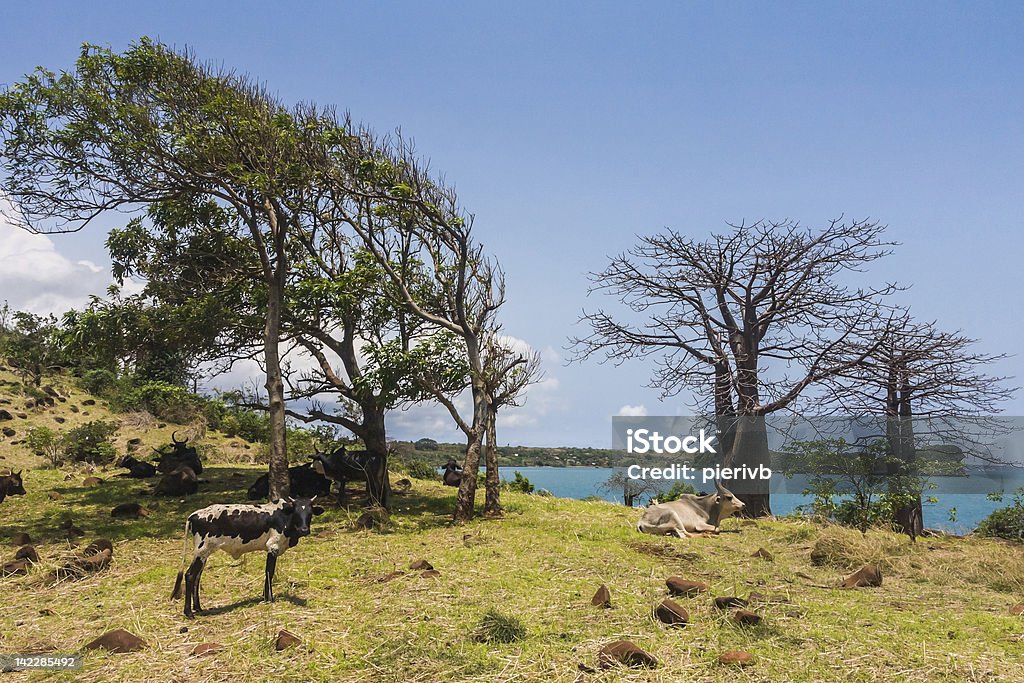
(344, 466)
(183, 454)
(11, 485)
(272, 528)
(303, 482)
(452, 475)
(180, 482)
(137, 469)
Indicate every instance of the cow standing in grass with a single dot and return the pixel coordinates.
(11, 485)
(272, 528)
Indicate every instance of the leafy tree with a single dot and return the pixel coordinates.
(1006, 522)
(31, 346)
(678, 490)
(152, 125)
(631, 489)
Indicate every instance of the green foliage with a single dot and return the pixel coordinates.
(1007, 522)
(417, 468)
(426, 445)
(90, 442)
(495, 627)
(165, 401)
(99, 381)
(46, 443)
(519, 484)
(678, 489)
(31, 345)
(850, 483)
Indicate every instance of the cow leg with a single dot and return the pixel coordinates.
(341, 491)
(268, 580)
(191, 578)
(195, 600)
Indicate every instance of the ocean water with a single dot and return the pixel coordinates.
(960, 507)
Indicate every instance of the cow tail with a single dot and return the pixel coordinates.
(176, 593)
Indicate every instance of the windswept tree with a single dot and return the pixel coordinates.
(747, 320)
(928, 384)
(122, 131)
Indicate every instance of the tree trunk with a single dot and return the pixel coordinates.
(492, 504)
(375, 438)
(279, 483)
(750, 449)
(466, 497)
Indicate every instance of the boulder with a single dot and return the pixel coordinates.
(131, 510)
(92, 481)
(602, 598)
(9, 432)
(206, 649)
(672, 613)
(27, 552)
(736, 658)
(624, 652)
(420, 565)
(15, 567)
(744, 617)
(680, 586)
(430, 574)
(868, 576)
(763, 554)
(5, 415)
(286, 639)
(21, 538)
(60, 420)
(54, 495)
(729, 601)
(117, 640)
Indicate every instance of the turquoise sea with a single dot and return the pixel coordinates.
(965, 497)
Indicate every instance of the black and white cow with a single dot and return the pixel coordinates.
(11, 485)
(239, 529)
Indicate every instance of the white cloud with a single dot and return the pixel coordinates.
(35, 277)
(633, 411)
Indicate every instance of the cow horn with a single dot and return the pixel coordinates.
(175, 440)
(718, 486)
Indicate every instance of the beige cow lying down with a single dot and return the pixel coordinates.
(689, 514)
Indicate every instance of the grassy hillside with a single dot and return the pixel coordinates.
(363, 615)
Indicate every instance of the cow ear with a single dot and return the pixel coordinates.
(318, 510)
(718, 499)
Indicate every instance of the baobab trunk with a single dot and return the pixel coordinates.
(750, 450)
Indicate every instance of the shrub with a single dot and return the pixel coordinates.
(230, 425)
(426, 445)
(90, 442)
(46, 443)
(1007, 522)
(520, 484)
(166, 401)
(495, 627)
(99, 382)
(418, 468)
(678, 489)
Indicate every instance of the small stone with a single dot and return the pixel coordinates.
(763, 554)
(868, 576)
(624, 652)
(389, 577)
(672, 613)
(736, 658)
(9, 432)
(54, 495)
(98, 546)
(47, 612)
(27, 552)
(60, 420)
(92, 481)
(207, 648)
(73, 408)
(183, 629)
(89, 402)
(420, 565)
(130, 510)
(602, 598)
(679, 586)
(21, 538)
(15, 567)
(746, 618)
(22, 416)
(1017, 610)
(730, 601)
(117, 640)
(5, 415)
(431, 574)
(286, 639)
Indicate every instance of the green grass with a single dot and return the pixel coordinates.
(940, 615)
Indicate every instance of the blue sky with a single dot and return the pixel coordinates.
(571, 127)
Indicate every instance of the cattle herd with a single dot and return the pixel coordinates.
(276, 526)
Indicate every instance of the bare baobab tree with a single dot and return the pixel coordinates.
(746, 320)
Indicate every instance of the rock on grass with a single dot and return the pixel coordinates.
(624, 652)
(117, 640)
(672, 613)
(206, 649)
(680, 586)
(744, 617)
(602, 598)
(286, 639)
(868, 576)
(736, 658)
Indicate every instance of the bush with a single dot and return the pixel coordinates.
(230, 426)
(679, 489)
(90, 442)
(46, 443)
(99, 382)
(495, 627)
(418, 468)
(520, 484)
(165, 401)
(1007, 522)
(426, 445)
